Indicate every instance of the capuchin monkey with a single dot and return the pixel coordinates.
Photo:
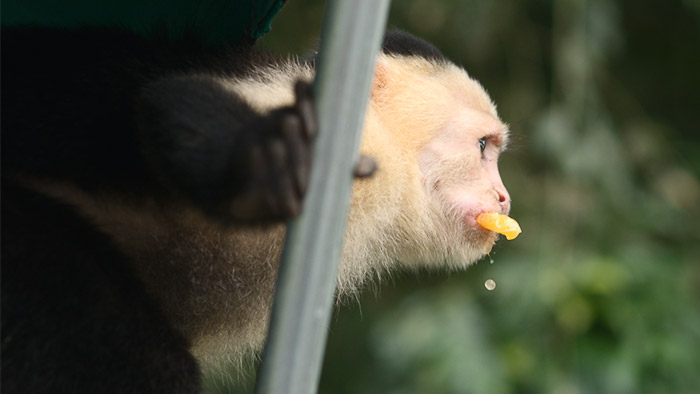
(145, 184)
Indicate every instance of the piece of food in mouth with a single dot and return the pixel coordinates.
(501, 224)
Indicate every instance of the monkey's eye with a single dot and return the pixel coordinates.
(482, 144)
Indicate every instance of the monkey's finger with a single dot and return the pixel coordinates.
(298, 152)
(303, 170)
(251, 203)
(306, 107)
(289, 202)
(282, 190)
(303, 90)
(277, 154)
(365, 167)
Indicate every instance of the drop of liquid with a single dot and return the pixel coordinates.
(490, 261)
(490, 284)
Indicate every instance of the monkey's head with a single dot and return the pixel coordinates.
(436, 137)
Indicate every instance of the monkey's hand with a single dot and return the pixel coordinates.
(276, 161)
(280, 161)
(206, 143)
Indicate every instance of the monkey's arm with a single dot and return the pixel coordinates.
(207, 144)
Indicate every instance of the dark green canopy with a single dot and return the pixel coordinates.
(214, 20)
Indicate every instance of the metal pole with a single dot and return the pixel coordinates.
(352, 32)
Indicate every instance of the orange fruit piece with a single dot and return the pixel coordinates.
(501, 224)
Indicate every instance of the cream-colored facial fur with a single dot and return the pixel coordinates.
(423, 126)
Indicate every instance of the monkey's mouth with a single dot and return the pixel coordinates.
(489, 246)
(478, 237)
(489, 240)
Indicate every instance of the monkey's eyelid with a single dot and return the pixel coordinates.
(500, 140)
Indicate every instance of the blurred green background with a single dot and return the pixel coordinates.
(601, 292)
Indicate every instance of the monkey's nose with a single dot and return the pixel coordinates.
(503, 200)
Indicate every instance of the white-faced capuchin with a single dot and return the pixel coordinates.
(145, 184)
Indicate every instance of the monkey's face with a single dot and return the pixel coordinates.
(458, 165)
(437, 137)
(459, 170)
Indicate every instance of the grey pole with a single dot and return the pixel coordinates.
(351, 36)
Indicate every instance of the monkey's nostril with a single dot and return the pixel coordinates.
(504, 201)
(503, 196)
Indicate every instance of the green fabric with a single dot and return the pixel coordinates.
(215, 20)
(263, 26)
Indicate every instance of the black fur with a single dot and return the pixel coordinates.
(397, 42)
(74, 317)
(113, 113)
(110, 111)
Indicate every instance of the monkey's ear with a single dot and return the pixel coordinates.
(381, 78)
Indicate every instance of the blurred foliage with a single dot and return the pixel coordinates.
(601, 292)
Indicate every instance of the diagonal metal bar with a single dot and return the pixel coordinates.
(293, 356)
